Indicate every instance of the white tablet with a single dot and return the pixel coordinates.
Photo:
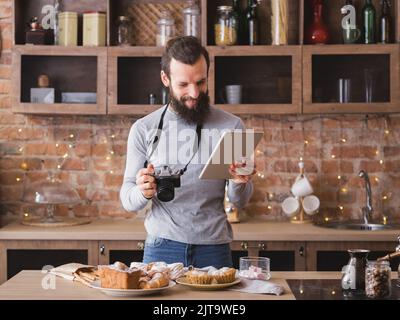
(231, 147)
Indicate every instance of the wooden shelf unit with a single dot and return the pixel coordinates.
(117, 97)
(384, 56)
(70, 68)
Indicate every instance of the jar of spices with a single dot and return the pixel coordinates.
(165, 28)
(94, 29)
(377, 279)
(225, 27)
(123, 31)
(68, 28)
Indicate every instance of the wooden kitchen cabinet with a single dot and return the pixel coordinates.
(288, 79)
(69, 70)
(285, 256)
(124, 251)
(17, 255)
(332, 256)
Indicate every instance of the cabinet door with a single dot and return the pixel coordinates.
(124, 251)
(16, 256)
(333, 256)
(285, 256)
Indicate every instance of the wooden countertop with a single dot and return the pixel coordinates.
(133, 229)
(27, 285)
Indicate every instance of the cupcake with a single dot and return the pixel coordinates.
(224, 275)
(198, 277)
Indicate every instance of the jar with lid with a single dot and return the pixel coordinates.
(165, 28)
(225, 27)
(191, 19)
(123, 31)
(67, 28)
(377, 279)
(94, 28)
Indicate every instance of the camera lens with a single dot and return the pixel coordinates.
(165, 193)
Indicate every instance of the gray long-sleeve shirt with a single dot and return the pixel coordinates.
(196, 215)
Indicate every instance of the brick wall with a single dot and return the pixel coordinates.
(31, 146)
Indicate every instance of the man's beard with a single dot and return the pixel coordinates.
(198, 114)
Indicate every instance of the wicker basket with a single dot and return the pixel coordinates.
(144, 17)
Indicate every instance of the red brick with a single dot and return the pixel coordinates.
(392, 166)
(330, 166)
(5, 72)
(371, 166)
(113, 180)
(11, 193)
(35, 176)
(5, 102)
(5, 86)
(83, 150)
(101, 150)
(74, 164)
(346, 152)
(391, 151)
(10, 178)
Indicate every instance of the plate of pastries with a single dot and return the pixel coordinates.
(139, 278)
(209, 278)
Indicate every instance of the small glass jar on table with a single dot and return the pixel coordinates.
(225, 27)
(378, 279)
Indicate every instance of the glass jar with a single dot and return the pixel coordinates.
(165, 28)
(123, 31)
(280, 22)
(377, 279)
(225, 27)
(191, 19)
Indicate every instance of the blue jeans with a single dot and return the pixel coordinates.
(199, 256)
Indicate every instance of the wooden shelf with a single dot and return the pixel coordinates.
(348, 61)
(125, 89)
(71, 69)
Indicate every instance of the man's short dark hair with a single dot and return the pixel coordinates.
(186, 49)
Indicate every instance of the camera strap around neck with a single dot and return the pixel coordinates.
(157, 137)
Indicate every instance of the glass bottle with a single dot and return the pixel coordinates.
(165, 28)
(191, 19)
(225, 27)
(240, 17)
(378, 279)
(56, 27)
(123, 31)
(251, 23)
(317, 33)
(385, 23)
(369, 27)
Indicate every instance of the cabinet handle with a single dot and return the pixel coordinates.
(102, 249)
(246, 246)
(140, 245)
(301, 251)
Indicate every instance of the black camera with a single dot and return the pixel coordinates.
(167, 180)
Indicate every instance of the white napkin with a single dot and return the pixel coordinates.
(257, 286)
(66, 271)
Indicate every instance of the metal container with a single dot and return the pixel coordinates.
(94, 29)
(68, 28)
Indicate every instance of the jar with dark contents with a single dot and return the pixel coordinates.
(377, 279)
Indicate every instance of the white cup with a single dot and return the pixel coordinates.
(234, 94)
(291, 206)
(302, 187)
(311, 205)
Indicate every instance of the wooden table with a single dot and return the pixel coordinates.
(27, 285)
